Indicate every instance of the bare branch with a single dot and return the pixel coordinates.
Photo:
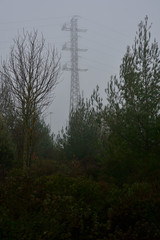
(32, 73)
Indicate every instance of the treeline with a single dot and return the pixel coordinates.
(120, 140)
(99, 178)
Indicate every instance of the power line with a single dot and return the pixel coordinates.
(106, 27)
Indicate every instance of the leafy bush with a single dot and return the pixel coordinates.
(134, 212)
(61, 207)
(54, 207)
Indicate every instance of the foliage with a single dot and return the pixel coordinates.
(49, 207)
(6, 147)
(7, 105)
(82, 141)
(134, 212)
(132, 112)
(60, 207)
(44, 144)
(11, 120)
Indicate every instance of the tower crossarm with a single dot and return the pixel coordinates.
(66, 68)
(65, 47)
(82, 50)
(82, 69)
(68, 28)
(81, 30)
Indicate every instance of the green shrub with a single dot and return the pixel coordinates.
(53, 207)
(65, 208)
(134, 212)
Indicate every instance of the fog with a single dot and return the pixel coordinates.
(111, 26)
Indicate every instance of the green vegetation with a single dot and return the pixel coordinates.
(61, 207)
(6, 147)
(100, 178)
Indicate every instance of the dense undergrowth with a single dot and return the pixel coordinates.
(63, 207)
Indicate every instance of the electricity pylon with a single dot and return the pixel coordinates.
(73, 48)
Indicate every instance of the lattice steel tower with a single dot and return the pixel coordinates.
(73, 48)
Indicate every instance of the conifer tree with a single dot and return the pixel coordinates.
(132, 112)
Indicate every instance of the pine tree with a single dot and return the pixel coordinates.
(133, 106)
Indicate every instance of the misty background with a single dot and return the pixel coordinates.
(111, 26)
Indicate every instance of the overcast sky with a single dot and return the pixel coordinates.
(111, 25)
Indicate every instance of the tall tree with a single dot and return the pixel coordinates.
(32, 73)
(134, 100)
(83, 136)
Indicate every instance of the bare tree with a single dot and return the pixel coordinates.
(32, 72)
